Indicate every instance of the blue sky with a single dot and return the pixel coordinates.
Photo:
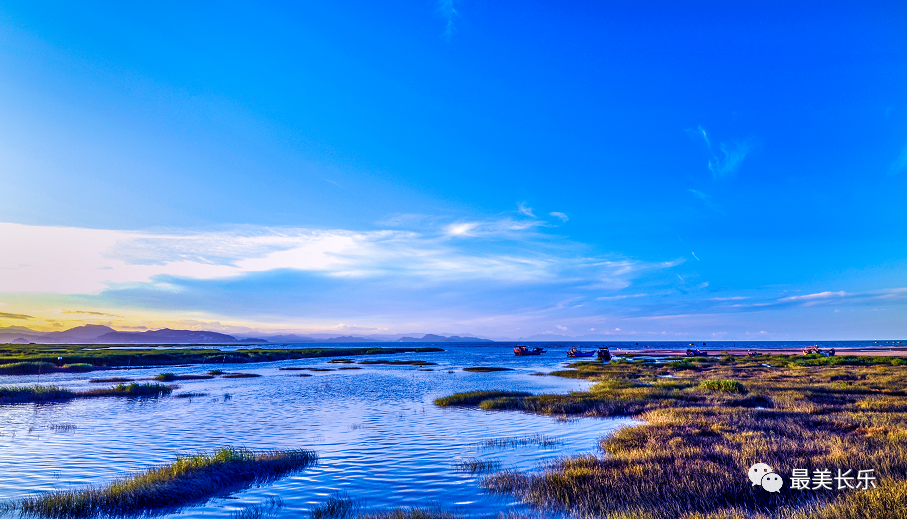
(622, 170)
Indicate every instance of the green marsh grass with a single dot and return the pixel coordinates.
(111, 380)
(697, 439)
(27, 368)
(188, 480)
(474, 398)
(239, 375)
(138, 355)
(485, 369)
(723, 385)
(34, 394)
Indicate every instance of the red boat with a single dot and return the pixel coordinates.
(521, 350)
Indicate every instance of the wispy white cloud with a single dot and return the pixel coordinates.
(558, 214)
(621, 297)
(524, 209)
(824, 295)
(84, 261)
(900, 164)
(732, 154)
(448, 10)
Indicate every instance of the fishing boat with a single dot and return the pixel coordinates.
(521, 350)
(575, 352)
(604, 354)
(694, 352)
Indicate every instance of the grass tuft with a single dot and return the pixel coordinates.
(485, 369)
(339, 505)
(723, 385)
(188, 480)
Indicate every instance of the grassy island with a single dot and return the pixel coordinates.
(188, 480)
(40, 359)
(707, 420)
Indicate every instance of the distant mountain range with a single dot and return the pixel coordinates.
(105, 335)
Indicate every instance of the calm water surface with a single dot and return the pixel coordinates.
(379, 438)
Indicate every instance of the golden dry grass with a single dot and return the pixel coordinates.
(708, 422)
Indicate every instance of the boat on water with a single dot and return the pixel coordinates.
(521, 350)
(575, 352)
(604, 354)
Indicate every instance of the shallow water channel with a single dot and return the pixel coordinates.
(379, 438)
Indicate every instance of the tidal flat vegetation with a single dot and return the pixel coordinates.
(45, 394)
(188, 480)
(29, 359)
(706, 420)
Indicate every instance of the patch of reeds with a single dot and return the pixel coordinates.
(63, 427)
(474, 465)
(347, 368)
(239, 375)
(534, 440)
(189, 395)
(111, 380)
(266, 509)
(215, 372)
(129, 390)
(485, 369)
(430, 511)
(338, 505)
(170, 376)
(34, 394)
(474, 398)
(310, 369)
(188, 480)
(341, 360)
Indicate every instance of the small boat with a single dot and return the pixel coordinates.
(521, 350)
(604, 354)
(692, 352)
(575, 352)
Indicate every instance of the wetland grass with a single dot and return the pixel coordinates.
(239, 375)
(485, 369)
(170, 376)
(111, 380)
(474, 465)
(417, 362)
(34, 394)
(12, 355)
(188, 480)
(690, 455)
(474, 398)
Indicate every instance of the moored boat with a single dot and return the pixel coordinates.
(521, 350)
(575, 352)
